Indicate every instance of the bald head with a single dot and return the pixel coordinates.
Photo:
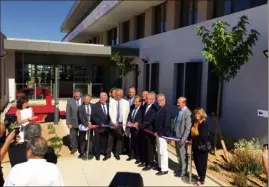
(181, 102)
(131, 92)
(2, 129)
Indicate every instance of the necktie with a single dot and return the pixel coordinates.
(118, 112)
(177, 119)
(77, 102)
(88, 112)
(104, 109)
(147, 108)
(133, 115)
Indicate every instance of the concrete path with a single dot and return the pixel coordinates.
(77, 172)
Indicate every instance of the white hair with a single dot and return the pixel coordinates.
(161, 95)
(103, 94)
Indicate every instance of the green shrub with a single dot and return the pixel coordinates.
(240, 180)
(247, 157)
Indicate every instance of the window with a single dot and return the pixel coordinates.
(188, 82)
(112, 38)
(126, 31)
(155, 77)
(140, 26)
(212, 91)
(160, 18)
(188, 9)
(94, 40)
(147, 76)
(225, 7)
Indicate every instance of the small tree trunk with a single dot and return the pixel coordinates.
(217, 127)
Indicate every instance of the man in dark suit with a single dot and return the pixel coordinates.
(135, 117)
(144, 97)
(17, 152)
(72, 119)
(162, 128)
(100, 116)
(149, 115)
(84, 119)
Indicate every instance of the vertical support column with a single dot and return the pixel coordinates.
(205, 10)
(120, 32)
(56, 96)
(104, 38)
(171, 17)
(132, 32)
(149, 21)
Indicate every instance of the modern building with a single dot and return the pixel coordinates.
(170, 52)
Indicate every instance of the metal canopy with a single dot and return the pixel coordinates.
(68, 48)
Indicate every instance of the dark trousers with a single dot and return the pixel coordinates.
(74, 138)
(126, 149)
(83, 142)
(134, 144)
(99, 143)
(141, 141)
(114, 137)
(149, 149)
(200, 161)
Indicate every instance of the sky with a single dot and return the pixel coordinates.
(37, 19)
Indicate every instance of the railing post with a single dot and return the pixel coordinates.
(189, 179)
(35, 91)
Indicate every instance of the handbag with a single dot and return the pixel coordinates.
(205, 146)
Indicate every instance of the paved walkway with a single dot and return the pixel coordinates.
(77, 172)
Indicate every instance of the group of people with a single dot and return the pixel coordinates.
(138, 126)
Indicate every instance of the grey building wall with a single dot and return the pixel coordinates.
(241, 97)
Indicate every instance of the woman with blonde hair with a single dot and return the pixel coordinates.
(200, 144)
(112, 93)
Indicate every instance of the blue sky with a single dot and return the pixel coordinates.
(34, 19)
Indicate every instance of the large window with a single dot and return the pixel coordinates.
(126, 31)
(212, 92)
(225, 7)
(152, 80)
(188, 12)
(112, 37)
(188, 82)
(160, 18)
(140, 26)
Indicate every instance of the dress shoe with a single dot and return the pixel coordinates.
(90, 157)
(106, 157)
(73, 150)
(157, 168)
(117, 157)
(81, 156)
(137, 162)
(180, 175)
(162, 173)
(141, 165)
(147, 168)
(97, 158)
(130, 158)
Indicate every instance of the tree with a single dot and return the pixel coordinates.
(125, 64)
(227, 52)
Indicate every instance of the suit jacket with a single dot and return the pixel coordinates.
(163, 121)
(202, 137)
(149, 118)
(183, 129)
(113, 112)
(99, 117)
(17, 154)
(72, 113)
(138, 118)
(82, 115)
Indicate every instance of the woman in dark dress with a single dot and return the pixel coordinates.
(199, 134)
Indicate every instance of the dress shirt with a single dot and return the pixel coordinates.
(134, 113)
(104, 108)
(78, 102)
(88, 111)
(178, 118)
(119, 112)
(35, 172)
(148, 106)
(131, 100)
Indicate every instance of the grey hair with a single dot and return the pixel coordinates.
(103, 94)
(38, 146)
(153, 95)
(87, 95)
(77, 90)
(161, 95)
(32, 130)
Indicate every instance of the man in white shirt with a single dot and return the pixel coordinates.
(118, 110)
(36, 171)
